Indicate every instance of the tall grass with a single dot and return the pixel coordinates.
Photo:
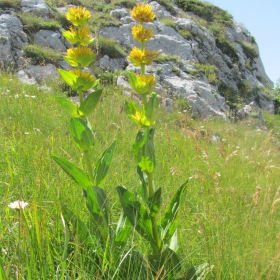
(231, 218)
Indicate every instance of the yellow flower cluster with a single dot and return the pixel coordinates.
(143, 13)
(141, 33)
(147, 79)
(79, 16)
(79, 56)
(80, 35)
(139, 57)
(86, 76)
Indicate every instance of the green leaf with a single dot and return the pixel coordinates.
(69, 77)
(143, 147)
(146, 164)
(103, 164)
(136, 114)
(97, 206)
(77, 174)
(67, 105)
(122, 233)
(152, 108)
(139, 86)
(89, 104)
(79, 226)
(142, 190)
(136, 214)
(154, 203)
(81, 133)
(170, 219)
(168, 260)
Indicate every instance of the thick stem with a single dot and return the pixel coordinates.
(153, 218)
(89, 167)
(80, 92)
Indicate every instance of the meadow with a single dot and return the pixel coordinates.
(231, 218)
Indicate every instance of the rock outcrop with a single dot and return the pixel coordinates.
(197, 64)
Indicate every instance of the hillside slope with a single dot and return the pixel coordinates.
(206, 57)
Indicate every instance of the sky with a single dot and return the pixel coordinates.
(262, 19)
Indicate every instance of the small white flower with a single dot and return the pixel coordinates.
(26, 132)
(33, 96)
(16, 96)
(26, 95)
(8, 91)
(224, 139)
(18, 205)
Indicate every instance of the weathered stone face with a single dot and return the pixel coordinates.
(173, 77)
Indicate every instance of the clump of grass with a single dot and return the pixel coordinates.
(227, 47)
(249, 49)
(10, 4)
(206, 11)
(169, 7)
(169, 22)
(108, 46)
(233, 98)
(32, 23)
(210, 71)
(100, 20)
(162, 58)
(185, 34)
(39, 55)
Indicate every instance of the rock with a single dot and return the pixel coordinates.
(37, 74)
(12, 40)
(250, 110)
(112, 64)
(37, 7)
(51, 39)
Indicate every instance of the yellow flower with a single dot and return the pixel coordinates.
(143, 13)
(78, 79)
(138, 57)
(141, 33)
(86, 76)
(79, 16)
(79, 56)
(80, 35)
(142, 84)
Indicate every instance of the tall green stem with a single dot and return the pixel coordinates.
(89, 167)
(153, 218)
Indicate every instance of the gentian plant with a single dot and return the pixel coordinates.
(143, 208)
(91, 180)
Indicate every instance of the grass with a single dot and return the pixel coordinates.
(32, 23)
(231, 218)
(39, 55)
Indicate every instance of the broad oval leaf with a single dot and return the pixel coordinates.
(89, 104)
(81, 133)
(170, 219)
(77, 174)
(136, 214)
(103, 164)
(68, 105)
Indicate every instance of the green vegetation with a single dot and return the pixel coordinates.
(207, 11)
(39, 55)
(162, 58)
(250, 50)
(210, 71)
(9, 4)
(108, 46)
(231, 218)
(168, 5)
(32, 23)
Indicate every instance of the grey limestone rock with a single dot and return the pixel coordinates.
(38, 7)
(51, 39)
(12, 40)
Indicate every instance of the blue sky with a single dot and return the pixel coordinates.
(262, 19)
